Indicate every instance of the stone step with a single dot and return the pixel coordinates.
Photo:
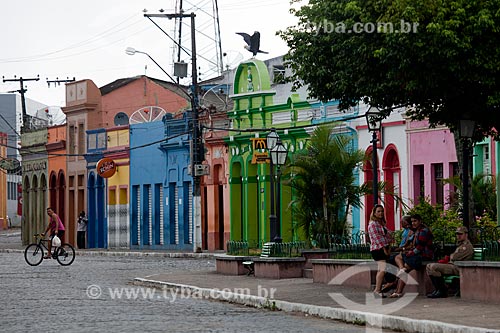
(307, 273)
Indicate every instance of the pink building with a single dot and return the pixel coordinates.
(431, 158)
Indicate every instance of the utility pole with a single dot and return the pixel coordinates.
(22, 90)
(58, 82)
(196, 160)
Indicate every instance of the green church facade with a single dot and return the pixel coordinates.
(252, 118)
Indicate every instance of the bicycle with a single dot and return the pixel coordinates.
(34, 253)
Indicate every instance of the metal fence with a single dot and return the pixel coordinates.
(357, 246)
(288, 249)
(285, 249)
(491, 250)
(237, 248)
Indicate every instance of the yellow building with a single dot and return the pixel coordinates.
(118, 187)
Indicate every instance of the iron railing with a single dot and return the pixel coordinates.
(285, 249)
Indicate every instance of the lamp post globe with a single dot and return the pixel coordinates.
(272, 139)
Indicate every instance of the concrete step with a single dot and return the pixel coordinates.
(307, 273)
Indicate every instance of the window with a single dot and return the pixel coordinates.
(72, 142)
(278, 74)
(81, 140)
(418, 183)
(486, 159)
(11, 191)
(437, 178)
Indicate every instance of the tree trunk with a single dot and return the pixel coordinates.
(459, 146)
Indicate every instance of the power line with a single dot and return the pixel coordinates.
(27, 151)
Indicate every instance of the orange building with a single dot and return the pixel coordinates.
(56, 150)
(90, 111)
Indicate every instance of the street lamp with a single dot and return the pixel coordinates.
(278, 154)
(466, 132)
(132, 51)
(374, 122)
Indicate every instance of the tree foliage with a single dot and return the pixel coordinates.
(324, 183)
(445, 70)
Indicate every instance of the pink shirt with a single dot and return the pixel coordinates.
(53, 224)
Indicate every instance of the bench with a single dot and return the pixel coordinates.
(479, 280)
(451, 280)
(230, 264)
(249, 265)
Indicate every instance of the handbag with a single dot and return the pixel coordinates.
(56, 241)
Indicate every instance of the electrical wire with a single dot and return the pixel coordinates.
(28, 151)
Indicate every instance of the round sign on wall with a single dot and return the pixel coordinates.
(106, 167)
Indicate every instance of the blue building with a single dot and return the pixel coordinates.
(161, 188)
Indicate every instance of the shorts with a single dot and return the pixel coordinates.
(379, 254)
(415, 261)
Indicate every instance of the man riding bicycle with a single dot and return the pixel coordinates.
(56, 227)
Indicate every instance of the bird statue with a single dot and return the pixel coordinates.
(253, 42)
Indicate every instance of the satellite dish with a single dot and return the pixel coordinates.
(147, 114)
(52, 115)
(232, 59)
(218, 97)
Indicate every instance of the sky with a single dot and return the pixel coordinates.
(60, 39)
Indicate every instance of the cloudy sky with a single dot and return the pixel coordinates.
(87, 39)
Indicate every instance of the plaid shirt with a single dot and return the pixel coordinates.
(422, 244)
(379, 236)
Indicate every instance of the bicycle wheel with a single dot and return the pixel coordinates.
(65, 254)
(33, 254)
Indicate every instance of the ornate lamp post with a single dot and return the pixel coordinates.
(278, 154)
(466, 132)
(278, 157)
(374, 122)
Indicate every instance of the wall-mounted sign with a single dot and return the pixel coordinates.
(259, 156)
(9, 164)
(106, 167)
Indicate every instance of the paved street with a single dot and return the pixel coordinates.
(86, 297)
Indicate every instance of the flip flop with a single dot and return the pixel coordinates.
(395, 295)
(387, 287)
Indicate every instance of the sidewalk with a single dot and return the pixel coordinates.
(303, 295)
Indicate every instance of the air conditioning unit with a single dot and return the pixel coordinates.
(201, 169)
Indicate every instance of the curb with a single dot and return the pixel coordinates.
(186, 255)
(345, 315)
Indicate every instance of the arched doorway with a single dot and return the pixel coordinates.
(392, 179)
(60, 193)
(236, 203)
(91, 214)
(53, 192)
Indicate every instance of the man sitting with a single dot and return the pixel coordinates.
(406, 241)
(464, 251)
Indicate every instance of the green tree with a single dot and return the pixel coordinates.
(483, 194)
(445, 68)
(324, 183)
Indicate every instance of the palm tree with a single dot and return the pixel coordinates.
(324, 183)
(483, 199)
